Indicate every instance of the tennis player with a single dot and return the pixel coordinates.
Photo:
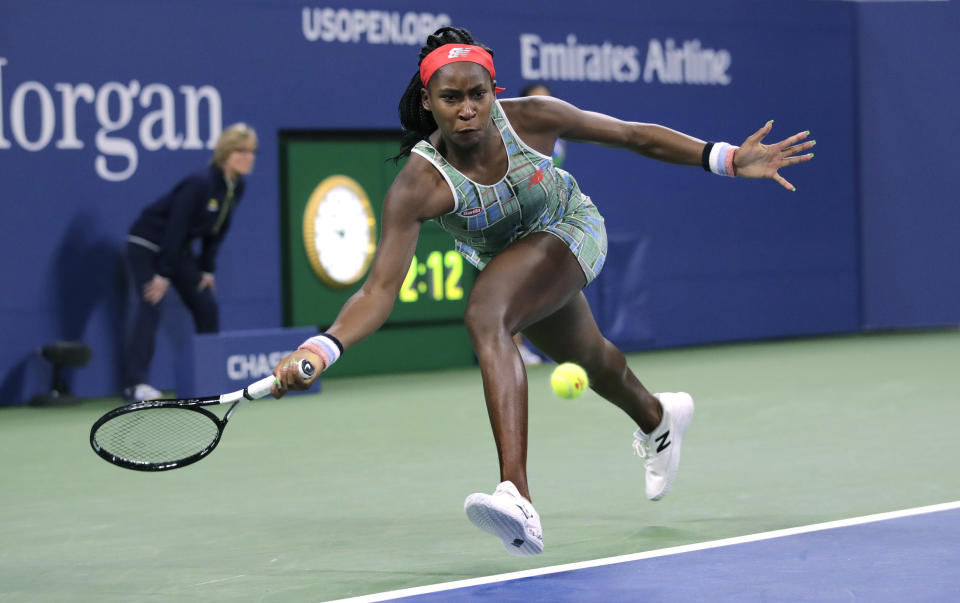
(481, 167)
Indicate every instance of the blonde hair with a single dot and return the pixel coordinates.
(235, 138)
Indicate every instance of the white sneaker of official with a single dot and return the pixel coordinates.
(508, 516)
(143, 391)
(660, 450)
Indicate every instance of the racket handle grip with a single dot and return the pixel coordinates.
(307, 369)
(262, 387)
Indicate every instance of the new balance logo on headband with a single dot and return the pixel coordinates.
(449, 53)
(458, 52)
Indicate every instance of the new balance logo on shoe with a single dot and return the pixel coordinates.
(663, 443)
(662, 460)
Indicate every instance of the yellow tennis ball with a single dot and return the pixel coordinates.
(569, 380)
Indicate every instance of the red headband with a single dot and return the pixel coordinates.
(452, 53)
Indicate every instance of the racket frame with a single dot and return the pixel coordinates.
(254, 391)
(195, 405)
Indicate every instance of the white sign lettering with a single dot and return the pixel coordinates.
(686, 64)
(604, 62)
(370, 26)
(253, 366)
(666, 63)
(34, 118)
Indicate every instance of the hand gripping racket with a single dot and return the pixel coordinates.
(157, 435)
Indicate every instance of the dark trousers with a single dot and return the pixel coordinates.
(202, 304)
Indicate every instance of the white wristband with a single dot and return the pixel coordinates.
(325, 346)
(721, 159)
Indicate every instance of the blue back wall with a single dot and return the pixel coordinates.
(909, 131)
(87, 90)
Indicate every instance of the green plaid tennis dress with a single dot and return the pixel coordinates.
(534, 196)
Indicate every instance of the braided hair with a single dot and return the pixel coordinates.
(417, 122)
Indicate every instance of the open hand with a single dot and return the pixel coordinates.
(756, 160)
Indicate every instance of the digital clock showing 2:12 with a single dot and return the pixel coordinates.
(441, 276)
(437, 282)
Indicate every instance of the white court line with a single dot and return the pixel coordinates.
(687, 548)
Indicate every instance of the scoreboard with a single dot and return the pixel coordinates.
(332, 190)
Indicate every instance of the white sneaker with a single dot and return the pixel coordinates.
(660, 450)
(142, 391)
(508, 516)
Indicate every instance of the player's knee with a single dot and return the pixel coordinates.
(483, 320)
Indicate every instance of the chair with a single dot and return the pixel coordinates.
(62, 354)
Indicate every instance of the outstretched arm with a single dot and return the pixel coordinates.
(412, 199)
(540, 120)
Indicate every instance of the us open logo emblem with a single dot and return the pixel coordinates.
(339, 231)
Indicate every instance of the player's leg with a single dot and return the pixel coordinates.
(531, 279)
(571, 335)
(202, 304)
(529, 356)
(528, 281)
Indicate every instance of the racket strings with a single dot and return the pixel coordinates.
(157, 435)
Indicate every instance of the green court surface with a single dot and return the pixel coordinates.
(361, 489)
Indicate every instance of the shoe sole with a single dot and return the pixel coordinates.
(683, 421)
(501, 525)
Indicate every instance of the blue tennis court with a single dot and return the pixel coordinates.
(910, 555)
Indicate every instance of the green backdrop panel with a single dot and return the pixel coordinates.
(428, 313)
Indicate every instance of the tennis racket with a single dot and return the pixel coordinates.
(157, 435)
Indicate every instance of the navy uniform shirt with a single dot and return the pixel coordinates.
(198, 207)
